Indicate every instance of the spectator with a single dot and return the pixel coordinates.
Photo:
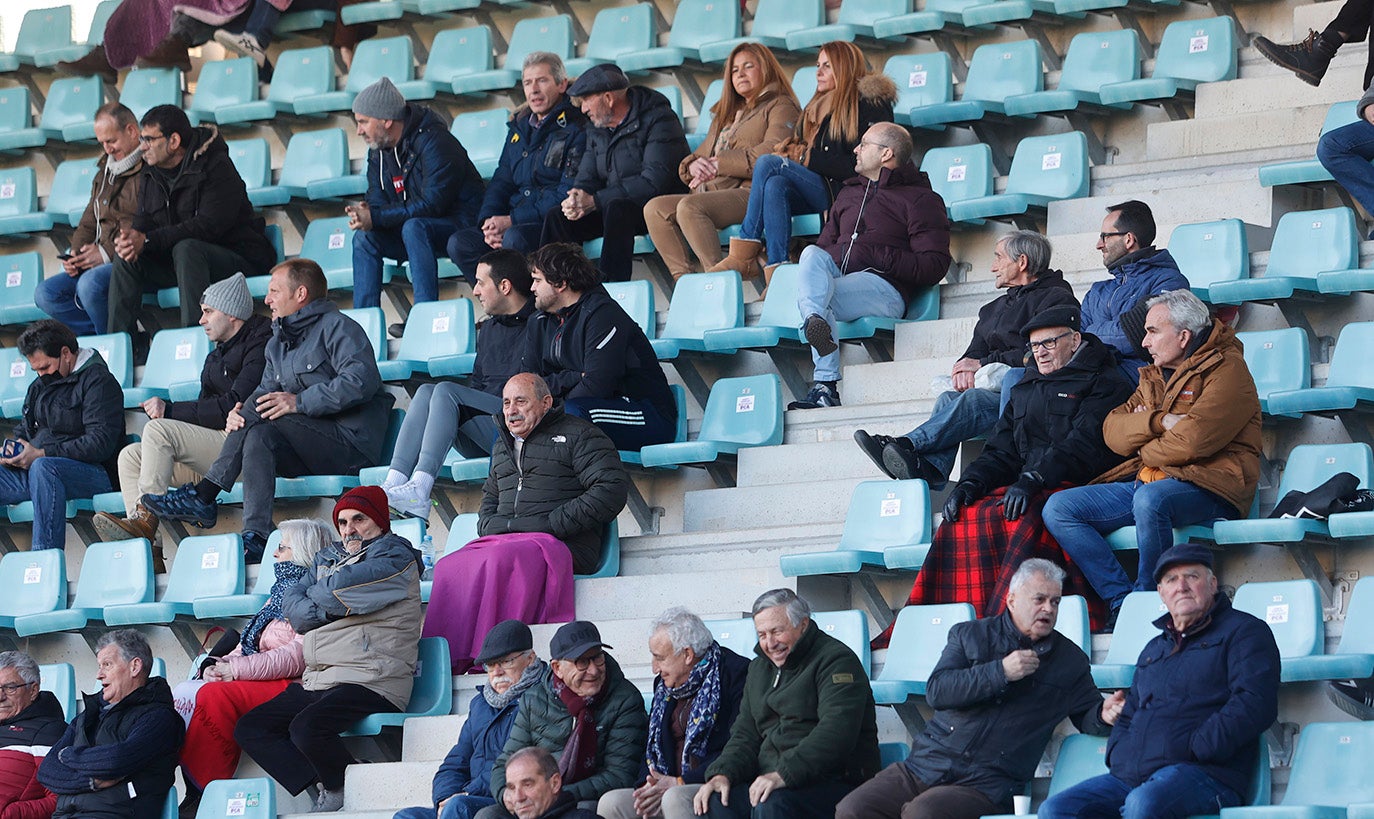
(971, 406)
(870, 266)
(266, 660)
(805, 171)
(1191, 439)
(633, 146)
(118, 758)
(359, 612)
(806, 734)
(596, 359)
(535, 789)
(464, 416)
(182, 438)
(462, 785)
(79, 299)
(756, 111)
(194, 225)
(585, 714)
(68, 435)
(538, 164)
(1310, 58)
(421, 187)
(258, 19)
(1002, 685)
(320, 409)
(1138, 272)
(1172, 755)
(1345, 151)
(698, 685)
(31, 721)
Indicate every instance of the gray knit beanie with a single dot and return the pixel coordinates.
(230, 296)
(380, 100)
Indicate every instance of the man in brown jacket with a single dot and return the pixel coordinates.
(1191, 436)
(78, 299)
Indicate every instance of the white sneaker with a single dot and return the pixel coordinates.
(329, 801)
(243, 44)
(407, 500)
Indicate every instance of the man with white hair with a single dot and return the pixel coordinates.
(31, 722)
(697, 691)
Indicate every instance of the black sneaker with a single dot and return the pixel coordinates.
(821, 395)
(183, 504)
(396, 330)
(818, 335)
(254, 547)
(1307, 59)
(873, 446)
(1353, 699)
(903, 463)
(1110, 625)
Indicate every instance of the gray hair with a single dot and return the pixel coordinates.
(684, 629)
(1035, 247)
(797, 608)
(1186, 311)
(548, 58)
(132, 646)
(307, 537)
(548, 766)
(22, 664)
(1036, 565)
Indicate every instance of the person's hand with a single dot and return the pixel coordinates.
(155, 407)
(703, 169)
(1020, 664)
(274, 405)
(1016, 500)
(701, 802)
(83, 259)
(1170, 419)
(1140, 408)
(962, 495)
(649, 796)
(1113, 705)
(221, 671)
(359, 216)
(494, 230)
(27, 455)
(763, 786)
(1369, 114)
(234, 420)
(129, 244)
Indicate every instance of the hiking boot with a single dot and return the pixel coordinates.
(243, 44)
(1307, 59)
(170, 53)
(141, 523)
(183, 504)
(903, 462)
(1354, 699)
(818, 335)
(94, 63)
(254, 547)
(821, 395)
(873, 446)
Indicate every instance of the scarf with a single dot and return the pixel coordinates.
(531, 676)
(579, 754)
(703, 688)
(288, 575)
(115, 167)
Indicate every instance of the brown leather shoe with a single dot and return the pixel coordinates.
(141, 523)
(94, 63)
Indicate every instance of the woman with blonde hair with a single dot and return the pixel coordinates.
(756, 111)
(806, 170)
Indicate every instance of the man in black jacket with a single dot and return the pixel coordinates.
(72, 426)
(1001, 686)
(194, 226)
(633, 150)
(1020, 265)
(595, 358)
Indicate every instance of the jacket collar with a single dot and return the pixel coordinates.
(517, 318)
(1165, 622)
(292, 326)
(554, 415)
(1121, 268)
(155, 690)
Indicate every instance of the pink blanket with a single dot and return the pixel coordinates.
(137, 26)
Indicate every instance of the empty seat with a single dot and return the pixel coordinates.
(553, 34)
(1302, 171)
(851, 628)
(1306, 243)
(1349, 382)
(16, 121)
(175, 360)
(112, 574)
(205, 566)
(1293, 611)
(15, 377)
(316, 166)
(740, 412)
(961, 173)
(483, 134)
(249, 603)
(431, 695)
(615, 31)
(95, 35)
(1352, 659)
(1211, 252)
(375, 12)
(329, 243)
(69, 113)
(19, 213)
(696, 23)
(71, 191)
(774, 20)
(1279, 361)
(855, 19)
(227, 93)
(996, 72)
(22, 272)
(45, 36)
(1045, 169)
(300, 74)
(1134, 628)
(1330, 770)
(1094, 59)
(253, 160)
(918, 638)
(636, 298)
(935, 16)
(59, 679)
(250, 798)
(922, 80)
(34, 582)
(458, 54)
(1191, 52)
(440, 339)
(701, 302)
(145, 88)
(882, 515)
(1309, 466)
(391, 57)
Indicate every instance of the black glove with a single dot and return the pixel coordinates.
(962, 495)
(1018, 496)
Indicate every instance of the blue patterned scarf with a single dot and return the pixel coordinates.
(703, 688)
(288, 575)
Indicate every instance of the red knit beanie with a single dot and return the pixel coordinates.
(370, 500)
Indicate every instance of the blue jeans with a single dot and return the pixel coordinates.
(49, 482)
(958, 416)
(81, 303)
(1079, 517)
(1346, 152)
(419, 241)
(1011, 379)
(824, 291)
(781, 188)
(467, 245)
(458, 807)
(1172, 792)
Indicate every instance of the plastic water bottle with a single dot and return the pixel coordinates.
(427, 557)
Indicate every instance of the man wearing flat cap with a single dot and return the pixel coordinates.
(421, 188)
(1185, 737)
(584, 712)
(634, 146)
(462, 785)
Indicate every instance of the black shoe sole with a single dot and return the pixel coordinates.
(1354, 708)
(818, 335)
(899, 469)
(873, 448)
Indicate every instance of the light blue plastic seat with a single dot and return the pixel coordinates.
(373, 322)
(1306, 243)
(227, 93)
(922, 80)
(737, 634)
(774, 20)
(1080, 757)
(483, 134)
(993, 12)
(1349, 382)
(1309, 466)
(924, 306)
(703, 126)
(996, 72)
(15, 377)
(440, 340)
(118, 352)
(1095, 59)
(458, 54)
(1211, 252)
(294, 21)
(1191, 52)
(918, 638)
(19, 213)
(892, 752)
(851, 628)
(329, 243)
(376, 11)
(1330, 770)
(804, 84)
(34, 582)
(115, 573)
(636, 298)
(935, 16)
(45, 36)
(630, 457)
(205, 566)
(855, 19)
(1303, 171)
(22, 272)
(175, 360)
(960, 173)
(1134, 628)
(1354, 657)
(69, 113)
(253, 160)
(696, 23)
(1073, 622)
(615, 31)
(16, 121)
(1044, 169)
(608, 559)
(249, 798)
(1293, 611)
(779, 320)
(553, 34)
(95, 36)
(431, 695)
(59, 679)
(740, 412)
(71, 191)
(1279, 361)
(316, 166)
(468, 470)
(882, 515)
(249, 603)
(701, 302)
(391, 57)
(300, 74)
(145, 88)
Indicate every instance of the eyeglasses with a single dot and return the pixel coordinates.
(1047, 344)
(1102, 237)
(599, 658)
(148, 140)
(282, 546)
(10, 688)
(874, 144)
(508, 663)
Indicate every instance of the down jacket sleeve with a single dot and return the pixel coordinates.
(282, 663)
(102, 419)
(358, 584)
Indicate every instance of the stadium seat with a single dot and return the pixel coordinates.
(1329, 772)
(16, 121)
(1191, 52)
(391, 57)
(740, 412)
(329, 243)
(300, 74)
(19, 213)
(440, 340)
(1095, 59)
(855, 19)
(960, 173)
(935, 16)
(430, 696)
(1045, 169)
(1306, 243)
(227, 93)
(925, 306)
(774, 21)
(615, 31)
(922, 80)
(71, 191)
(376, 11)
(34, 583)
(45, 36)
(15, 377)
(1134, 628)
(117, 350)
(458, 54)
(882, 515)
(1073, 622)
(994, 12)
(696, 23)
(23, 272)
(95, 36)
(918, 638)
(779, 319)
(804, 84)
(630, 457)
(59, 679)
(1279, 361)
(145, 88)
(701, 302)
(249, 798)
(316, 166)
(1080, 757)
(483, 134)
(849, 627)
(373, 322)
(608, 560)
(636, 298)
(175, 360)
(1293, 611)
(247, 604)
(1309, 466)
(1349, 382)
(553, 34)
(1302, 171)
(1211, 252)
(294, 21)
(115, 573)
(205, 566)
(69, 113)
(996, 72)
(253, 160)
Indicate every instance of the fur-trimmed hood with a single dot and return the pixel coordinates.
(878, 88)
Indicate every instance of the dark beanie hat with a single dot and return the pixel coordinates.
(370, 500)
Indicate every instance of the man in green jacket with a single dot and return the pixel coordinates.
(806, 733)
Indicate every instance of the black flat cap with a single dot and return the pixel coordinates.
(506, 637)
(1061, 316)
(1183, 553)
(599, 78)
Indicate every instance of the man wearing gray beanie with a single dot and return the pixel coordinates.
(421, 188)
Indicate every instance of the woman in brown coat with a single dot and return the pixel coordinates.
(756, 111)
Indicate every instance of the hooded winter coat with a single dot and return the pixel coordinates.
(833, 159)
(79, 415)
(426, 174)
(1146, 272)
(112, 201)
(638, 159)
(537, 165)
(997, 337)
(24, 739)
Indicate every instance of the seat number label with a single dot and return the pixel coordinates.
(744, 403)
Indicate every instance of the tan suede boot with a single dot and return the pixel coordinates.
(768, 271)
(141, 523)
(744, 257)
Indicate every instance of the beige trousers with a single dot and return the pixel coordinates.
(171, 453)
(620, 804)
(686, 224)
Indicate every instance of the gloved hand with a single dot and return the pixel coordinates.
(962, 495)
(1018, 496)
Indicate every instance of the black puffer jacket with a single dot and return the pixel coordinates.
(833, 159)
(500, 347)
(997, 336)
(638, 159)
(79, 416)
(437, 179)
(232, 371)
(1053, 423)
(570, 484)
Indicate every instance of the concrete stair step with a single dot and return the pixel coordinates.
(644, 596)
(1264, 88)
(721, 510)
(428, 739)
(840, 458)
(668, 555)
(389, 785)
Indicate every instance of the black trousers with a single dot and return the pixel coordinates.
(616, 225)
(295, 735)
(193, 266)
(809, 802)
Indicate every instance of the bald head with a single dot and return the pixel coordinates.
(524, 403)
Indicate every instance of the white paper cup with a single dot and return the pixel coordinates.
(1020, 805)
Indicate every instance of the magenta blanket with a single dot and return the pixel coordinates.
(137, 26)
(525, 577)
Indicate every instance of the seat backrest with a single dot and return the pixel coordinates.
(118, 351)
(1134, 627)
(1350, 364)
(1073, 622)
(922, 79)
(1277, 359)
(459, 51)
(115, 573)
(636, 297)
(267, 570)
(850, 628)
(712, 96)
(145, 88)
(1309, 242)
(804, 84)
(1293, 611)
(34, 582)
(1339, 115)
(745, 410)
(780, 303)
(778, 18)
(71, 187)
(412, 529)
(1357, 637)
(253, 160)
(205, 566)
(1331, 765)
(302, 72)
(96, 34)
(864, 12)
(1311, 465)
(72, 101)
(176, 356)
(249, 798)
(705, 301)
(887, 513)
(1097, 58)
(315, 155)
(737, 634)
(674, 95)
(1054, 166)
(553, 34)
(390, 57)
(22, 272)
(44, 29)
(961, 172)
(1198, 50)
(621, 29)
(461, 532)
(18, 193)
(483, 133)
(329, 242)
(1001, 70)
(1080, 757)
(438, 328)
(697, 22)
(919, 637)
(15, 373)
(60, 680)
(15, 113)
(225, 82)
(432, 690)
(373, 322)
(1211, 252)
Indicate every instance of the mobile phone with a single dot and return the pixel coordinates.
(11, 448)
(66, 257)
